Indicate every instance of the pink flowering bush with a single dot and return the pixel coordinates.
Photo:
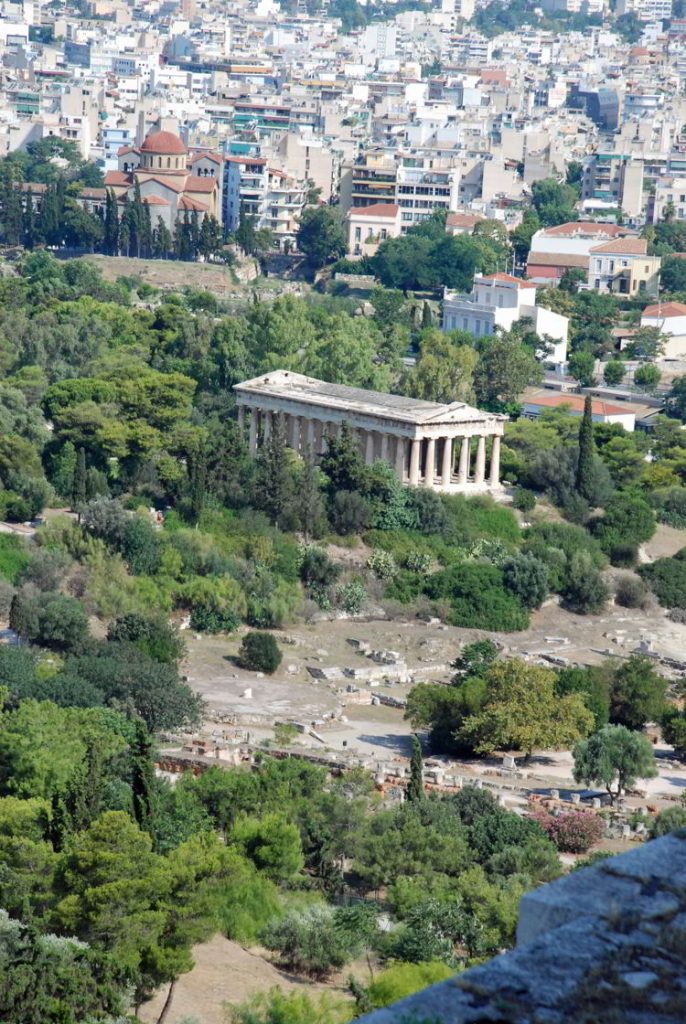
(571, 831)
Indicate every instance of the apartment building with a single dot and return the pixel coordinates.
(616, 179)
(623, 267)
(498, 301)
(566, 247)
(272, 198)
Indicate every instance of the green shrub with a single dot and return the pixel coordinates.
(478, 597)
(259, 652)
(406, 587)
(628, 519)
(14, 557)
(666, 577)
(527, 577)
(382, 564)
(352, 596)
(524, 499)
(670, 506)
(630, 592)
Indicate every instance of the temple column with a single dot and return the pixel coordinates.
(369, 448)
(241, 418)
(294, 433)
(400, 458)
(384, 448)
(414, 462)
(266, 425)
(430, 463)
(447, 462)
(254, 414)
(463, 472)
(494, 479)
(480, 471)
(319, 437)
(310, 434)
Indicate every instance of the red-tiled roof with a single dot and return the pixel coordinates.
(164, 143)
(186, 203)
(117, 178)
(375, 210)
(155, 201)
(623, 247)
(123, 150)
(576, 404)
(214, 157)
(586, 227)
(196, 184)
(508, 279)
(463, 220)
(665, 309)
(556, 259)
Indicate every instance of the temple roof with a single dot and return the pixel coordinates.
(285, 384)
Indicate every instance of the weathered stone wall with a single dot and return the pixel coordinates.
(604, 945)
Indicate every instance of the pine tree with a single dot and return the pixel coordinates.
(584, 469)
(415, 789)
(80, 478)
(143, 777)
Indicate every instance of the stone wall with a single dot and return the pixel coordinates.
(604, 945)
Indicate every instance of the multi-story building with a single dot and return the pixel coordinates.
(369, 226)
(498, 301)
(615, 179)
(623, 267)
(645, 10)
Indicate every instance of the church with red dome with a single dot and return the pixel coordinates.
(173, 182)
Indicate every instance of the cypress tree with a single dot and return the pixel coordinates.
(111, 241)
(143, 777)
(427, 316)
(80, 478)
(584, 469)
(162, 240)
(29, 222)
(197, 479)
(415, 789)
(274, 479)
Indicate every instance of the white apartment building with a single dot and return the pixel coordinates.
(670, 195)
(271, 197)
(499, 301)
(419, 190)
(646, 10)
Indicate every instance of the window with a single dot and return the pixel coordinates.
(647, 270)
(612, 266)
(465, 323)
(370, 233)
(598, 264)
(596, 283)
(358, 234)
(384, 234)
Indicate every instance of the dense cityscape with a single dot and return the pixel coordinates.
(342, 512)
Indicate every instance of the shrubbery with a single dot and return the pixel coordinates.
(259, 652)
(478, 598)
(666, 577)
(571, 831)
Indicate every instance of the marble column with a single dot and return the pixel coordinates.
(266, 425)
(494, 479)
(447, 462)
(430, 463)
(311, 435)
(384, 448)
(294, 433)
(415, 451)
(319, 434)
(463, 471)
(241, 418)
(400, 458)
(369, 448)
(254, 414)
(480, 471)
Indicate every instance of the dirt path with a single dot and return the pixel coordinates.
(224, 972)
